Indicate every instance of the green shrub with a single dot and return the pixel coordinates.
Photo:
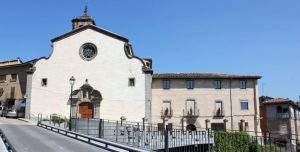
(235, 142)
(57, 119)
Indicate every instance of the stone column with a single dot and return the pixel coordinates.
(225, 124)
(207, 124)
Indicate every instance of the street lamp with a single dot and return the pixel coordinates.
(72, 82)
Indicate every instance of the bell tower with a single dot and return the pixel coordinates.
(83, 20)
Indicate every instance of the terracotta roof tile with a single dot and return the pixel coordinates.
(202, 76)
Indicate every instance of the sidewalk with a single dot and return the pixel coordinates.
(2, 146)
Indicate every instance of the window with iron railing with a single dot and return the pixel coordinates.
(166, 109)
(219, 110)
(191, 108)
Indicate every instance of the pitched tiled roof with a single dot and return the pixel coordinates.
(202, 76)
(280, 101)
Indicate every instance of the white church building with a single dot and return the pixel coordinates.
(100, 69)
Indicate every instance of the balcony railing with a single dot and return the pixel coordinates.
(191, 112)
(219, 113)
(166, 113)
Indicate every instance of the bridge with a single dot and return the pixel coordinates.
(27, 137)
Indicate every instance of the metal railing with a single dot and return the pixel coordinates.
(151, 138)
(191, 113)
(8, 145)
(166, 113)
(111, 146)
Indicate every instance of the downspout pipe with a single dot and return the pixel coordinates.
(230, 96)
(255, 106)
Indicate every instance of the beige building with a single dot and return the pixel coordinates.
(205, 100)
(13, 79)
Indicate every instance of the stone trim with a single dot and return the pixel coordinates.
(100, 30)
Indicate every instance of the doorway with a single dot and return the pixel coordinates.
(86, 110)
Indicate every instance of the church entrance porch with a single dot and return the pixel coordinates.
(85, 102)
(86, 110)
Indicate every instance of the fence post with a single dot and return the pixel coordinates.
(143, 124)
(101, 128)
(166, 136)
(75, 122)
(88, 125)
(117, 130)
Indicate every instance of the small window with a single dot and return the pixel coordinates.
(190, 84)
(13, 78)
(2, 78)
(44, 82)
(281, 109)
(166, 84)
(131, 82)
(243, 84)
(244, 105)
(218, 84)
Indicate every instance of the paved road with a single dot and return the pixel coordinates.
(26, 137)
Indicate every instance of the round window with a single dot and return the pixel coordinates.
(88, 51)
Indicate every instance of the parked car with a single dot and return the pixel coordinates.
(11, 114)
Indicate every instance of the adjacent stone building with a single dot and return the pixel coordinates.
(13, 80)
(280, 119)
(206, 100)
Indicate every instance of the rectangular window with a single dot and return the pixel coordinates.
(243, 84)
(190, 84)
(218, 84)
(190, 107)
(2, 78)
(167, 111)
(44, 82)
(166, 84)
(13, 78)
(244, 105)
(219, 109)
(131, 82)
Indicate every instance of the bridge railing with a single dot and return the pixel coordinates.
(8, 145)
(108, 145)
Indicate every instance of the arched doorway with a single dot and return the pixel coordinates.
(191, 127)
(86, 110)
(86, 102)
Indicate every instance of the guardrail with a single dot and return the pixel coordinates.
(8, 145)
(107, 145)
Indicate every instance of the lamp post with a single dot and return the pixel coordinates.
(72, 82)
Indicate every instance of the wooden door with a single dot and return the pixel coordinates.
(86, 110)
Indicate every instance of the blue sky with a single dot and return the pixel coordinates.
(231, 36)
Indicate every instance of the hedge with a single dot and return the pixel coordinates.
(235, 142)
(57, 119)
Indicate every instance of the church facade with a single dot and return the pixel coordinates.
(100, 69)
